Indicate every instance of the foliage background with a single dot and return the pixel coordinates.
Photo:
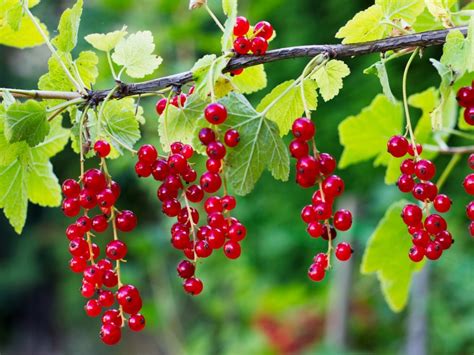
(262, 303)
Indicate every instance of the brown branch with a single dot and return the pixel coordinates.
(450, 150)
(423, 39)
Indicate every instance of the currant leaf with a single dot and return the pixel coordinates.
(329, 78)
(68, 28)
(26, 122)
(106, 41)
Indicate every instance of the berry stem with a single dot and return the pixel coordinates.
(405, 102)
(447, 171)
(214, 17)
(111, 65)
(193, 230)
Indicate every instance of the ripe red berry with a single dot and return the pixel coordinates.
(185, 269)
(110, 333)
(343, 251)
(71, 188)
(194, 193)
(299, 148)
(236, 72)
(232, 249)
(342, 220)
(129, 298)
(405, 183)
(397, 146)
(259, 45)
(445, 239)
(106, 298)
(126, 221)
(215, 113)
(327, 163)
(203, 249)
(94, 180)
(102, 148)
(469, 184)
(179, 100)
(333, 186)
(263, 29)
(116, 250)
(74, 231)
(112, 316)
(407, 167)
(433, 251)
(105, 198)
(315, 229)
(425, 169)
(416, 253)
(241, 45)
(161, 106)
(147, 154)
(322, 259)
(93, 308)
(210, 182)
(207, 135)
(442, 203)
(71, 207)
(303, 128)
(216, 150)
(228, 202)
(177, 164)
(160, 170)
(412, 214)
(470, 210)
(241, 26)
(109, 278)
(411, 151)
(308, 214)
(136, 322)
(316, 272)
(465, 96)
(232, 138)
(434, 224)
(99, 223)
(78, 264)
(469, 115)
(193, 286)
(421, 238)
(237, 232)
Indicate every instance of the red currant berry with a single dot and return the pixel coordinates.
(193, 286)
(216, 150)
(263, 29)
(308, 214)
(161, 106)
(110, 333)
(321, 259)
(342, 220)
(412, 215)
(71, 188)
(228, 202)
(471, 161)
(470, 210)
(442, 203)
(241, 45)
(71, 207)
(327, 163)
(397, 146)
(213, 165)
(411, 151)
(129, 298)
(316, 272)
(315, 229)
(407, 167)
(333, 186)
(203, 249)
(109, 278)
(469, 115)
(207, 135)
(237, 232)
(469, 184)
(416, 253)
(136, 322)
(179, 100)
(93, 308)
(445, 239)
(185, 269)
(421, 238)
(232, 249)
(434, 224)
(94, 180)
(465, 96)
(405, 183)
(303, 128)
(343, 251)
(106, 198)
(106, 298)
(194, 193)
(102, 148)
(213, 204)
(323, 211)
(147, 154)
(112, 316)
(241, 26)
(425, 169)
(116, 250)
(78, 247)
(259, 45)
(210, 182)
(78, 264)
(236, 72)
(215, 113)
(231, 138)
(299, 148)
(126, 221)
(216, 238)
(99, 223)
(433, 251)
(74, 231)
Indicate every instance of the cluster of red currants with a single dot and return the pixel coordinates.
(469, 188)
(255, 41)
(429, 236)
(465, 97)
(177, 101)
(100, 275)
(178, 183)
(318, 169)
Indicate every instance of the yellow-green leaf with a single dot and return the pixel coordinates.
(251, 79)
(106, 41)
(86, 65)
(364, 26)
(387, 255)
(329, 78)
(26, 122)
(406, 10)
(13, 194)
(26, 36)
(68, 28)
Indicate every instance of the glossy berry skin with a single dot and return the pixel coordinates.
(465, 96)
(116, 250)
(333, 186)
(110, 333)
(469, 115)
(179, 100)
(411, 151)
(194, 193)
(78, 264)
(185, 269)
(241, 45)
(203, 249)
(147, 154)
(126, 221)
(93, 308)
(236, 72)
(207, 135)
(405, 183)
(102, 148)
(471, 161)
(241, 26)
(112, 316)
(210, 182)
(215, 113)
(232, 249)
(397, 146)
(303, 129)
(433, 251)
(342, 220)
(308, 214)
(71, 188)
(327, 164)
(94, 180)
(216, 150)
(71, 207)
(416, 253)
(435, 224)
(471, 229)
(106, 298)
(322, 259)
(315, 229)
(412, 215)
(237, 232)
(469, 184)
(425, 169)
(259, 45)
(445, 239)
(263, 29)
(161, 106)
(343, 251)
(316, 272)
(106, 198)
(228, 202)
(407, 167)
(129, 298)
(299, 148)
(136, 322)
(470, 210)
(232, 138)
(99, 223)
(308, 167)
(193, 286)
(442, 203)
(73, 231)
(421, 238)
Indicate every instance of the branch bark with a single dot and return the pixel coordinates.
(423, 39)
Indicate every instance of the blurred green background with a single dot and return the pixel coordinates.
(262, 303)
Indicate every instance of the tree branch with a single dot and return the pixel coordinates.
(450, 150)
(423, 39)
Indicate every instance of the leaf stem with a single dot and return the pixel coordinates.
(111, 65)
(214, 17)
(447, 171)
(405, 101)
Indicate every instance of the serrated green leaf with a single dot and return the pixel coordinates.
(363, 27)
(68, 28)
(13, 16)
(375, 124)
(26, 36)
(26, 122)
(380, 70)
(55, 78)
(387, 255)
(55, 141)
(329, 78)
(439, 9)
(287, 103)
(86, 65)
(251, 79)
(135, 53)
(13, 195)
(42, 185)
(179, 124)
(106, 41)
(406, 10)
(260, 146)
(229, 7)
(206, 72)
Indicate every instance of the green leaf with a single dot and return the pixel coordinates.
(230, 9)
(406, 10)
(42, 185)
(106, 41)
(439, 9)
(387, 255)
(206, 72)
(26, 36)
(55, 141)
(55, 78)
(251, 79)
(26, 122)
(179, 124)
(13, 16)
(68, 28)
(375, 124)
(260, 146)
(287, 103)
(380, 70)
(135, 53)
(13, 194)
(86, 65)
(363, 27)
(329, 78)
(426, 22)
